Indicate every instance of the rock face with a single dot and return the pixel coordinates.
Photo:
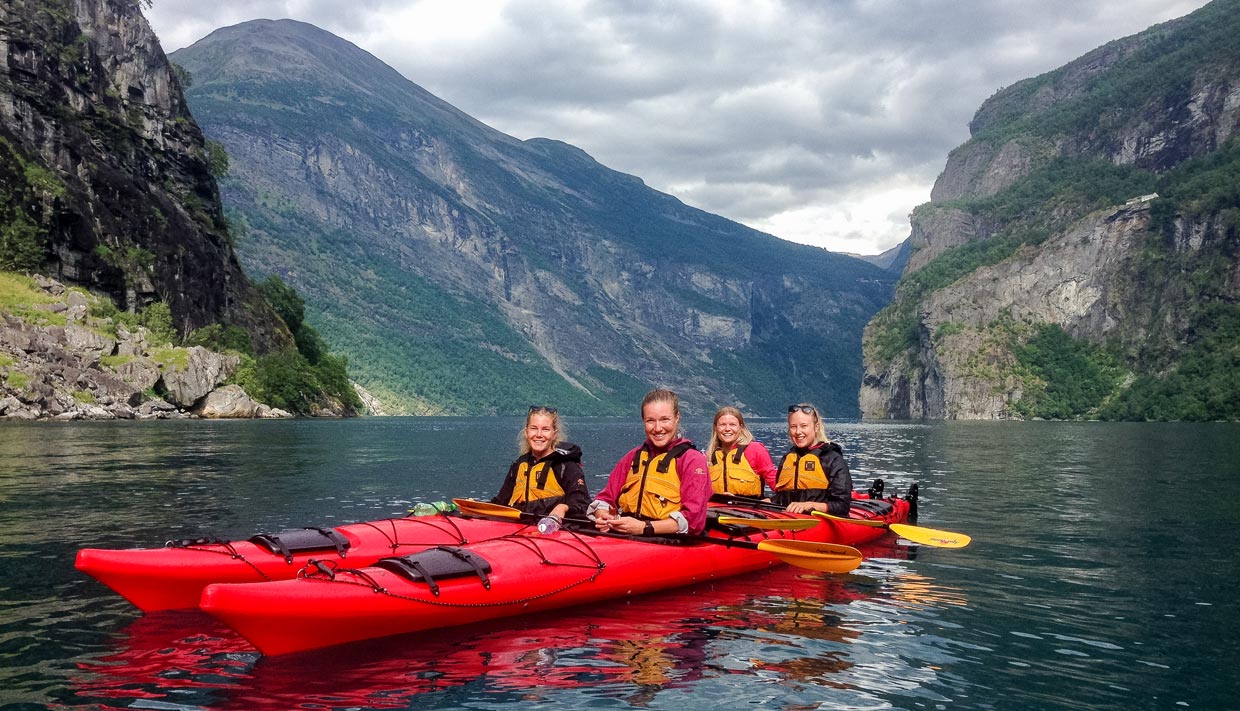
(465, 271)
(203, 370)
(231, 402)
(105, 173)
(1080, 279)
(1073, 255)
(74, 370)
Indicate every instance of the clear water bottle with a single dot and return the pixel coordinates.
(423, 509)
(548, 525)
(444, 506)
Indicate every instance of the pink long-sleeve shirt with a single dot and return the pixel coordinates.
(694, 483)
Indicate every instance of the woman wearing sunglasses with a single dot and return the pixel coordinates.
(660, 487)
(813, 475)
(546, 479)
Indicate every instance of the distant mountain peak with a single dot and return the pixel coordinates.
(466, 271)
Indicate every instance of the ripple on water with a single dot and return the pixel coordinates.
(1075, 593)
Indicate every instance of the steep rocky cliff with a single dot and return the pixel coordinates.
(466, 271)
(105, 180)
(1079, 255)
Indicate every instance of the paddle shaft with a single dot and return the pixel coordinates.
(827, 557)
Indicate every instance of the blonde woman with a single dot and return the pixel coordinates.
(546, 479)
(813, 475)
(739, 464)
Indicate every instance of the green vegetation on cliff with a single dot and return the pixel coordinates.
(1068, 378)
(1202, 385)
(1073, 379)
(1161, 62)
(26, 188)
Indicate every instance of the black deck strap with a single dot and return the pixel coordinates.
(275, 543)
(472, 560)
(878, 508)
(341, 543)
(426, 576)
(325, 567)
(302, 540)
(438, 563)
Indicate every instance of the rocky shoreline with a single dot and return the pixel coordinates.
(59, 362)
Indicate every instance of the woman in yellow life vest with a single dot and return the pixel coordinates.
(739, 464)
(660, 487)
(546, 479)
(813, 475)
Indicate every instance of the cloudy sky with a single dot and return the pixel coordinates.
(819, 121)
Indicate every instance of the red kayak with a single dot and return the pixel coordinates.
(174, 576)
(522, 572)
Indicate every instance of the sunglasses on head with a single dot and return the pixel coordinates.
(542, 408)
(807, 409)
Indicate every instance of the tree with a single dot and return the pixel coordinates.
(285, 300)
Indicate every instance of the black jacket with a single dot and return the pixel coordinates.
(565, 460)
(837, 495)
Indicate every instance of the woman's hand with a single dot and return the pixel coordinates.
(802, 507)
(622, 524)
(603, 519)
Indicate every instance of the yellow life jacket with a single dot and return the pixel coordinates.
(652, 489)
(803, 471)
(535, 480)
(735, 476)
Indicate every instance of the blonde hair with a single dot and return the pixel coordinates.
(745, 436)
(820, 429)
(523, 442)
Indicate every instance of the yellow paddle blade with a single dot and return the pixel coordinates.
(825, 557)
(486, 508)
(770, 524)
(931, 536)
(859, 521)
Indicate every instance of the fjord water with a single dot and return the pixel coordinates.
(1103, 574)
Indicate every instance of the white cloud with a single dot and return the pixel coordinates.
(824, 123)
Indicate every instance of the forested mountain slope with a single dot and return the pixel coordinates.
(1078, 257)
(465, 271)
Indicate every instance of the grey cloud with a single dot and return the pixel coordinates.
(754, 110)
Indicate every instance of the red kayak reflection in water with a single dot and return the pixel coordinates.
(638, 647)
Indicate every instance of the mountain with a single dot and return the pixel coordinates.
(892, 259)
(1078, 257)
(107, 186)
(464, 271)
(104, 176)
